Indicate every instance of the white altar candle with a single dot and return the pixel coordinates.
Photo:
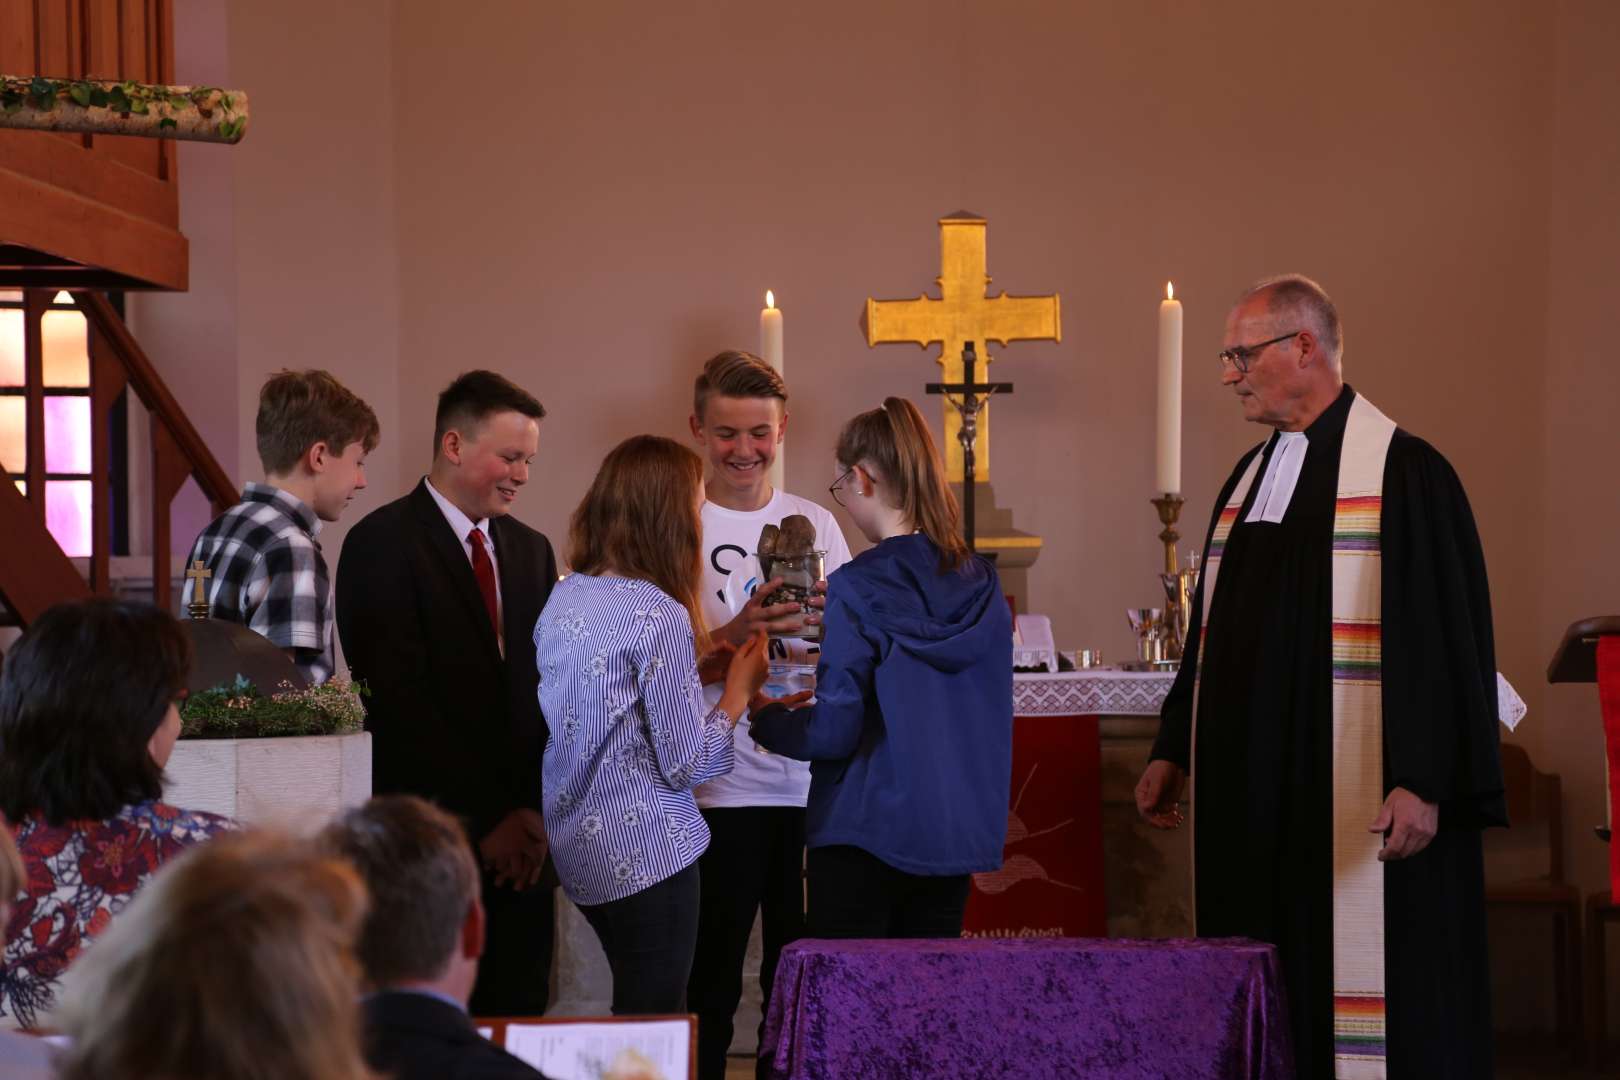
(770, 350)
(1167, 475)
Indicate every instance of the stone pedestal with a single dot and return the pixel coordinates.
(298, 782)
(1015, 550)
(1147, 871)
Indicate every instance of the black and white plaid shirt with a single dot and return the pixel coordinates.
(270, 576)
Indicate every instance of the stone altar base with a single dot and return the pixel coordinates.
(1147, 871)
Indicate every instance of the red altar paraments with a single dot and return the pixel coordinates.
(1051, 880)
(1608, 672)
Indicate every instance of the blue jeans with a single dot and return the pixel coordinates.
(649, 938)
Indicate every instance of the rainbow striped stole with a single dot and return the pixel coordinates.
(1356, 522)
(1357, 651)
(1358, 747)
(1358, 783)
(1224, 523)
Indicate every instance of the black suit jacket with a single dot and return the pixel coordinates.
(450, 719)
(416, 1037)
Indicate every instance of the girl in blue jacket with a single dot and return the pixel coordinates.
(910, 737)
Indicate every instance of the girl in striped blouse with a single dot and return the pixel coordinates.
(617, 647)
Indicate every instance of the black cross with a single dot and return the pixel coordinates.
(968, 405)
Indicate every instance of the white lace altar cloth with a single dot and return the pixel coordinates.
(1091, 692)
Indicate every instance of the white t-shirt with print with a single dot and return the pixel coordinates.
(730, 538)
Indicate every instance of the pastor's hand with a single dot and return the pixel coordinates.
(1158, 794)
(1408, 824)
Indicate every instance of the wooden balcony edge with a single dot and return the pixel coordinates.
(100, 172)
(49, 219)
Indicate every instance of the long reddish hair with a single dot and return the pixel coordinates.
(640, 520)
(894, 442)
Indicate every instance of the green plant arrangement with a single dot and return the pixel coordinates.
(241, 710)
(121, 107)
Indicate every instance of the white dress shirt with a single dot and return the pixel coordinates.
(462, 526)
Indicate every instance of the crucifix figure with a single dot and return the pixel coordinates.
(968, 407)
(199, 573)
(962, 316)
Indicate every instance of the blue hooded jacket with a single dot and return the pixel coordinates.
(910, 739)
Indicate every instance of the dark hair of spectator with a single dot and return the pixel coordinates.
(422, 877)
(81, 694)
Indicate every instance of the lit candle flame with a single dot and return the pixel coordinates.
(1169, 290)
(770, 298)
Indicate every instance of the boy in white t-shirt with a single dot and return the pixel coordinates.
(755, 814)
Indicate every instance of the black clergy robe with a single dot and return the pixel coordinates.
(1262, 769)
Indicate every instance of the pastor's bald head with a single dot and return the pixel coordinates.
(1304, 305)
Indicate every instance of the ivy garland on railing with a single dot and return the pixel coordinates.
(241, 710)
(123, 108)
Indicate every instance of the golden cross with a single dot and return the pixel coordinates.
(199, 573)
(963, 313)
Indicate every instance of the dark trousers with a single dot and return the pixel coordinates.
(649, 937)
(855, 894)
(755, 863)
(514, 975)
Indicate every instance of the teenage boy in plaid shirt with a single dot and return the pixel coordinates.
(268, 571)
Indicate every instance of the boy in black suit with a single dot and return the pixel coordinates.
(437, 597)
(420, 942)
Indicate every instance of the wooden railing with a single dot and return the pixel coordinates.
(34, 572)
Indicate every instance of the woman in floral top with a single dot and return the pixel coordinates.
(617, 647)
(88, 719)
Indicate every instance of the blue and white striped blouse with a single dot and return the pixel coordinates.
(629, 738)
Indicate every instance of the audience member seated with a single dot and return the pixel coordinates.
(88, 718)
(421, 942)
(236, 961)
(22, 1057)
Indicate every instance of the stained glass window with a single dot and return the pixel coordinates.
(65, 364)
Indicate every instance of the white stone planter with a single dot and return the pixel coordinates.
(298, 783)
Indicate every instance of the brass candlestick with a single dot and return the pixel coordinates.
(1178, 583)
(1169, 507)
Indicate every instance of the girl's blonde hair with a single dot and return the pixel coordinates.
(236, 961)
(640, 520)
(894, 442)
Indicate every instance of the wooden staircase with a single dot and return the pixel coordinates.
(84, 213)
(34, 571)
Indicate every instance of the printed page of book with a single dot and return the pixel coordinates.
(623, 1050)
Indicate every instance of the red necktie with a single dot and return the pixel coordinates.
(484, 571)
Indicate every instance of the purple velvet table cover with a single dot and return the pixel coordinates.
(1056, 1007)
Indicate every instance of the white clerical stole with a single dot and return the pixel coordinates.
(1282, 475)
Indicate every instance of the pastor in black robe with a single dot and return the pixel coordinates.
(1262, 769)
